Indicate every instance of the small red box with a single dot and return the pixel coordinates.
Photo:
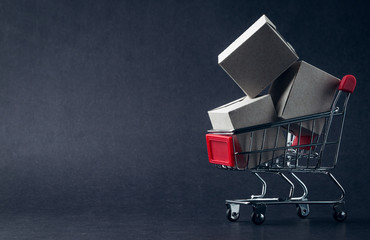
(220, 149)
(304, 140)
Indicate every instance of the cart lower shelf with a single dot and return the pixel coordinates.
(259, 208)
(259, 202)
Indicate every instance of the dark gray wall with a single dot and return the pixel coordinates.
(104, 103)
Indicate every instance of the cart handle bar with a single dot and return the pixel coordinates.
(347, 84)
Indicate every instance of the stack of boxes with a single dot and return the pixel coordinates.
(261, 59)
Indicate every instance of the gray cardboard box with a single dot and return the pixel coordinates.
(247, 142)
(302, 90)
(247, 112)
(257, 57)
(244, 112)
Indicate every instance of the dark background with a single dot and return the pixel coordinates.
(104, 110)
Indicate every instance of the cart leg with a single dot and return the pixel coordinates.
(258, 215)
(264, 187)
(339, 186)
(339, 211)
(232, 212)
(305, 190)
(290, 183)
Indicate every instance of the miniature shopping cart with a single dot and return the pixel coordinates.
(307, 144)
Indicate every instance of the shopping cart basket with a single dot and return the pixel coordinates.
(307, 144)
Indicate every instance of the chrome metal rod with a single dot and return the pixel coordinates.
(235, 155)
(341, 128)
(288, 147)
(264, 187)
(305, 190)
(299, 143)
(291, 192)
(339, 186)
(311, 141)
(286, 144)
(272, 201)
(262, 146)
(328, 125)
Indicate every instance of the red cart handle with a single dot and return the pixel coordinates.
(347, 84)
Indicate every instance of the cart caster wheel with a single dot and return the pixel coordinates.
(232, 216)
(258, 215)
(340, 216)
(303, 210)
(258, 218)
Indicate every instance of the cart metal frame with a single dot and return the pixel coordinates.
(288, 163)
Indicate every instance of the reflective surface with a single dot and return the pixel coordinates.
(179, 224)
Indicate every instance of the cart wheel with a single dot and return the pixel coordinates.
(303, 210)
(257, 218)
(232, 216)
(340, 216)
